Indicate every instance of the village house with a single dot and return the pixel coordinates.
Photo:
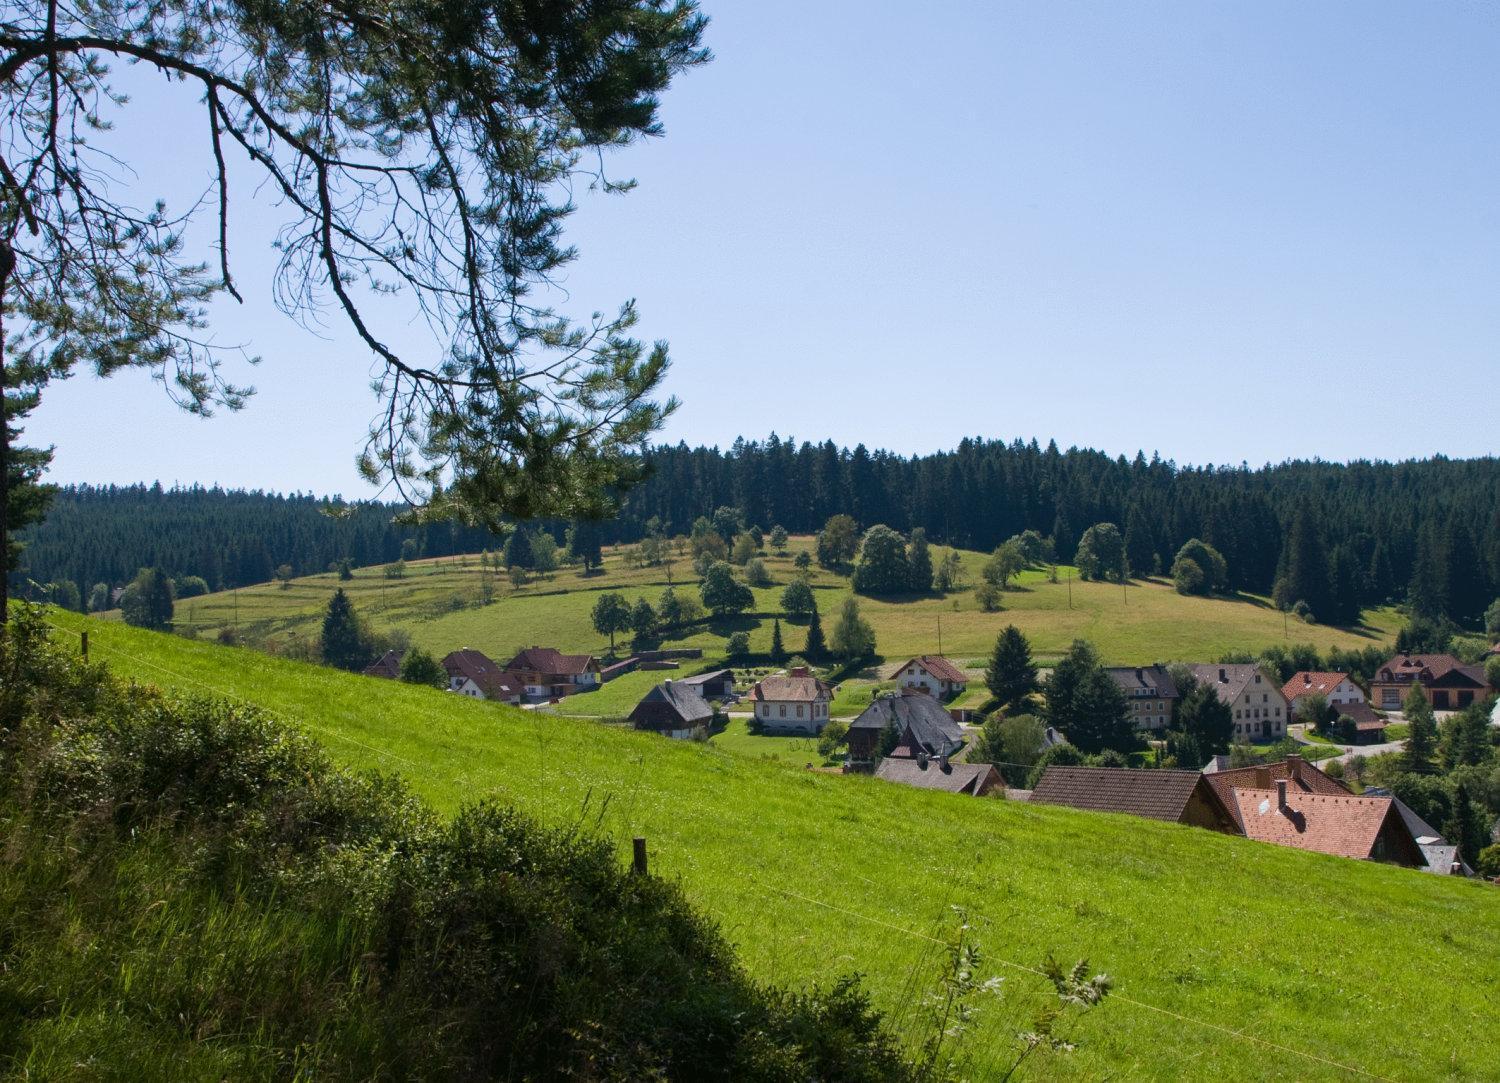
(795, 702)
(933, 674)
(1151, 693)
(1337, 688)
(1367, 828)
(716, 684)
(472, 673)
(924, 772)
(1304, 777)
(1447, 683)
(1183, 797)
(546, 673)
(1260, 710)
(921, 725)
(388, 665)
(673, 709)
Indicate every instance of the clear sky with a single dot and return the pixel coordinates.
(1226, 232)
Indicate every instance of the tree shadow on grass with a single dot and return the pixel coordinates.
(728, 624)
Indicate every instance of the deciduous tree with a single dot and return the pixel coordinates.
(611, 616)
(853, 637)
(1101, 553)
(419, 667)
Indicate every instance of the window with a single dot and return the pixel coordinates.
(799, 710)
(783, 710)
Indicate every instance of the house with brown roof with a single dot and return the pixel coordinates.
(673, 709)
(1150, 692)
(1367, 828)
(547, 673)
(921, 725)
(795, 702)
(1337, 688)
(388, 665)
(927, 773)
(933, 674)
(1183, 797)
(1260, 710)
(472, 673)
(1447, 683)
(1298, 773)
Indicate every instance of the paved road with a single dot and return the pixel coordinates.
(1345, 750)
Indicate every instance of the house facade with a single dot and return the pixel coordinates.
(471, 673)
(1337, 688)
(545, 673)
(1260, 710)
(791, 703)
(673, 709)
(1447, 683)
(933, 674)
(1150, 692)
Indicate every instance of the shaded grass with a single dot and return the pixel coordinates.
(814, 875)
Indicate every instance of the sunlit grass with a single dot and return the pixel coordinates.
(815, 875)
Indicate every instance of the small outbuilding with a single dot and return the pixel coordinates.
(673, 709)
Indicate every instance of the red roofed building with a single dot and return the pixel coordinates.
(472, 673)
(933, 674)
(795, 702)
(1303, 777)
(1367, 828)
(546, 673)
(1448, 684)
(1336, 688)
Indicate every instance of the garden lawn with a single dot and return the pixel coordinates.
(815, 875)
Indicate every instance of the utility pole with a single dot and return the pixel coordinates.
(940, 635)
(1070, 588)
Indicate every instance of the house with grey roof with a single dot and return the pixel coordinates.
(924, 772)
(673, 709)
(1260, 710)
(921, 725)
(1150, 694)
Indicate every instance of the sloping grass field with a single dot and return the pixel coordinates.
(1232, 959)
(437, 603)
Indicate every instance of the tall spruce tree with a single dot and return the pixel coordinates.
(1011, 674)
(815, 648)
(919, 562)
(778, 649)
(1085, 703)
(1306, 577)
(1421, 740)
(346, 645)
(1464, 582)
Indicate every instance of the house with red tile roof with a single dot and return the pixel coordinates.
(388, 665)
(1337, 688)
(547, 673)
(1302, 776)
(472, 673)
(933, 674)
(795, 702)
(1447, 683)
(1366, 828)
(1183, 797)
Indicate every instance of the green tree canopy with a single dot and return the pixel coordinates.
(919, 562)
(1212, 571)
(1086, 705)
(345, 642)
(838, 541)
(723, 594)
(611, 616)
(797, 599)
(778, 648)
(882, 567)
(1011, 675)
(853, 637)
(1421, 740)
(1101, 553)
(815, 647)
(147, 601)
(419, 667)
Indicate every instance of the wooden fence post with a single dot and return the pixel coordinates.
(639, 867)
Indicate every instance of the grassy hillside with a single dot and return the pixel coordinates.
(437, 603)
(1218, 945)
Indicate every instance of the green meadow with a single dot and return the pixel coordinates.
(1231, 959)
(438, 604)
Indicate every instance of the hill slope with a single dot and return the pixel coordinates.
(1334, 962)
(438, 604)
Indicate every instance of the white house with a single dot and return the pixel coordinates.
(933, 674)
(1260, 710)
(795, 702)
(472, 673)
(1336, 688)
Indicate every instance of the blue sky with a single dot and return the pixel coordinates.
(1225, 232)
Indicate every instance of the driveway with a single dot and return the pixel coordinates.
(1345, 751)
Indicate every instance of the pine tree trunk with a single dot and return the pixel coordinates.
(7, 264)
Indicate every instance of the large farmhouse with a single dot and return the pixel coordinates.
(1260, 710)
(1447, 683)
(795, 702)
(546, 673)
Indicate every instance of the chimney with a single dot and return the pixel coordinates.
(922, 760)
(943, 760)
(1262, 778)
(1139, 675)
(1307, 679)
(1294, 764)
(799, 671)
(1223, 677)
(1281, 794)
(667, 683)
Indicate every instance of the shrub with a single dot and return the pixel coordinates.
(739, 645)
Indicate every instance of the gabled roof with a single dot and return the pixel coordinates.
(932, 774)
(1429, 667)
(1152, 680)
(932, 727)
(551, 662)
(1156, 795)
(1363, 714)
(1231, 678)
(1301, 776)
(685, 701)
(799, 686)
(387, 665)
(700, 679)
(493, 681)
(938, 666)
(1308, 682)
(1343, 825)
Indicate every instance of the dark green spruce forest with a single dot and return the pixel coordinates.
(1340, 536)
